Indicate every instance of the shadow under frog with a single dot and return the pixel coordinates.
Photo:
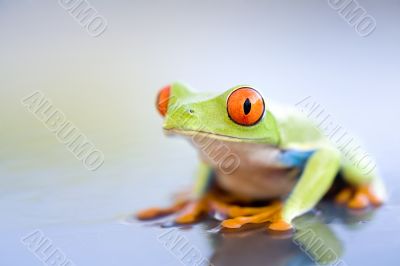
(313, 242)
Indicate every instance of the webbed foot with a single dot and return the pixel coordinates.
(240, 216)
(358, 197)
(191, 211)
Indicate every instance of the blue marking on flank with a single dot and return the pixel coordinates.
(295, 158)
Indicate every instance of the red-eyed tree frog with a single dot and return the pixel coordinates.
(252, 151)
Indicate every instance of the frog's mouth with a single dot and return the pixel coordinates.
(200, 135)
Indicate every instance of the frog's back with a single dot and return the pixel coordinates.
(295, 128)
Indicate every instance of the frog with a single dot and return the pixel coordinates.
(260, 162)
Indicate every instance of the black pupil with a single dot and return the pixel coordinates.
(247, 106)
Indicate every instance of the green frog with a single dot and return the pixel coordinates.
(253, 151)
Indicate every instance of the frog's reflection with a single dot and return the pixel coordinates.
(314, 241)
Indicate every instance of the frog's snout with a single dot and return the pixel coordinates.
(181, 117)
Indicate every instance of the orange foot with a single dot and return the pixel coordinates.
(240, 216)
(358, 198)
(190, 211)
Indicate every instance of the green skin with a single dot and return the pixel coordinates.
(281, 128)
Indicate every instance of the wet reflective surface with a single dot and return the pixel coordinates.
(89, 217)
(106, 86)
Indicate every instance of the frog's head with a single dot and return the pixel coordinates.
(239, 114)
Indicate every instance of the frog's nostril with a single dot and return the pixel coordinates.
(191, 111)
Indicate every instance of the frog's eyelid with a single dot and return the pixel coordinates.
(163, 99)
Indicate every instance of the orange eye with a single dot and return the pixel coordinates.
(245, 106)
(163, 99)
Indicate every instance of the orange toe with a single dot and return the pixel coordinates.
(153, 213)
(186, 219)
(191, 212)
(376, 201)
(360, 201)
(236, 222)
(231, 223)
(149, 213)
(280, 226)
(343, 196)
(373, 198)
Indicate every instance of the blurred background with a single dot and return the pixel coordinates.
(106, 86)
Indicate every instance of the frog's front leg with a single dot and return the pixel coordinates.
(187, 210)
(317, 177)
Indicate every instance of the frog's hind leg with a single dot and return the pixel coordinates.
(365, 186)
